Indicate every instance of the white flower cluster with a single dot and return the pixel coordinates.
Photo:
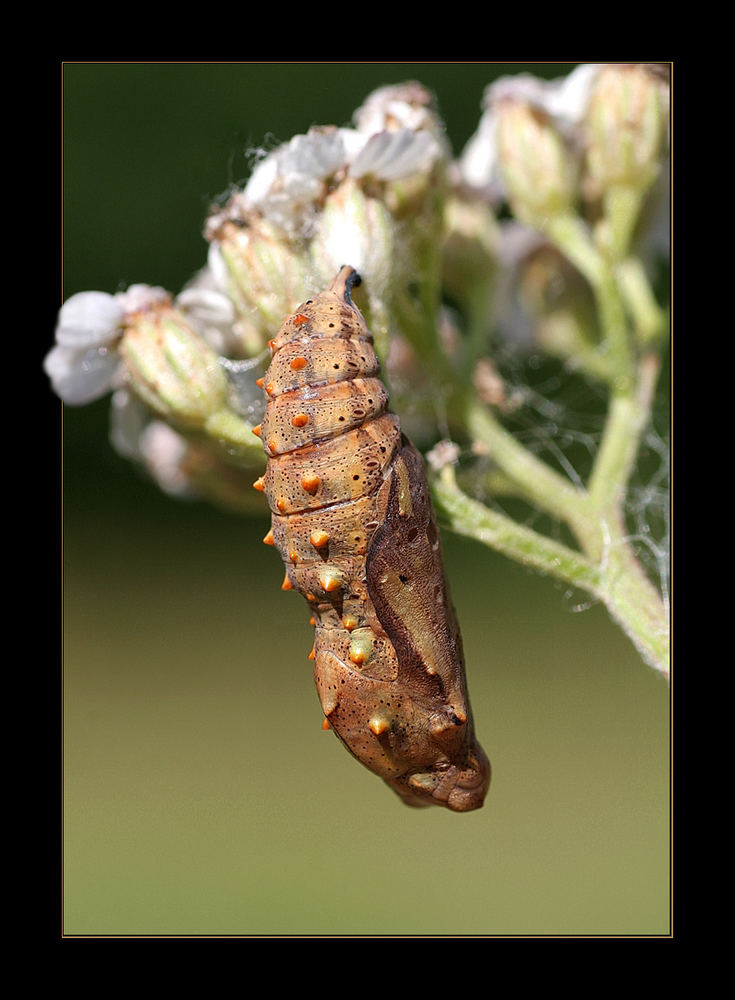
(396, 135)
(320, 200)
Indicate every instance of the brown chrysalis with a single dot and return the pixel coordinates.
(353, 520)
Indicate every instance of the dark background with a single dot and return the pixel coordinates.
(200, 794)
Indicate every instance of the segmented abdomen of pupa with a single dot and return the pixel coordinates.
(344, 486)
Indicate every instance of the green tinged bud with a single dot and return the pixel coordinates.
(267, 274)
(359, 229)
(539, 172)
(625, 127)
(356, 227)
(171, 369)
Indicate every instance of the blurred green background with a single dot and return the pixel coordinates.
(200, 794)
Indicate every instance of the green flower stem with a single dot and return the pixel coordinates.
(534, 479)
(537, 482)
(416, 303)
(474, 520)
(617, 580)
(631, 598)
(235, 436)
(418, 321)
(615, 332)
(627, 419)
(649, 319)
(561, 337)
(622, 207)
(478, 308)
(573, 238)
(606, 566)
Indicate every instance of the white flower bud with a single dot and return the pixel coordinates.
(403, 105)
(626, 126)
(286, 186)
(478, 162)
(563, 101)
(84, 364)
(163, 452)
(141, 298)
(358, 230)
(89, 319)
(80, 376)
(266, 275)
(568, 97)
(539, 172)
(128, 420)
(392, 156)
(171, 369)
(210, 312)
